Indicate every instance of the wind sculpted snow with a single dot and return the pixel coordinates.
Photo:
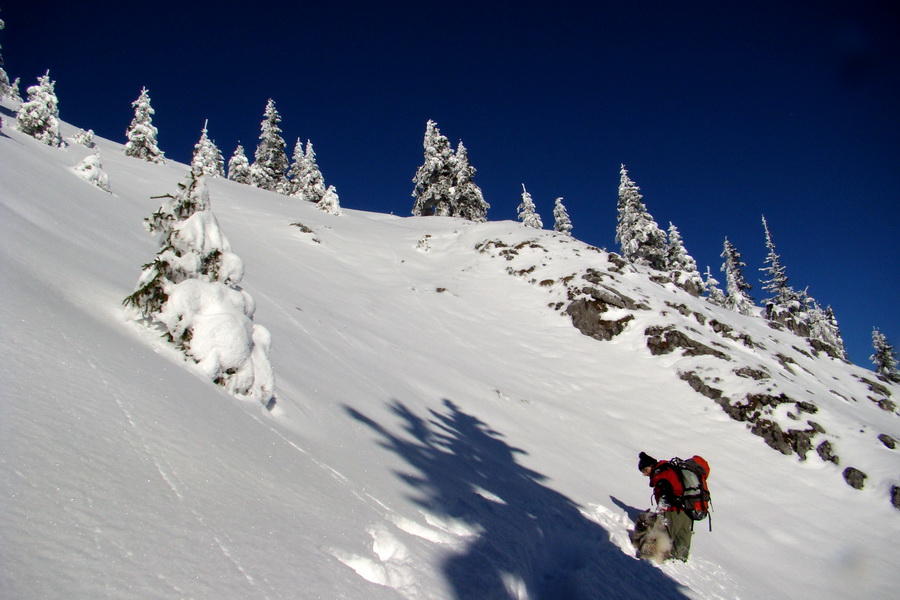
(440, 431)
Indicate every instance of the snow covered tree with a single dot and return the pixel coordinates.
(239, 166)
(268, 170)
(786, 306)
(714, 295)
(444, 185)
(141, 133)
(823, 329)
(468, 200)
(884, 357)
(191, 291)
(91, 170)
(39, 115)
(526, 211)
(682, 265)
(737, 300)
(641, 240)
(307, 182)
(434, 179)
(84, 138)
(295, 171)
(561, 221)
(207, 159)
(330, 202)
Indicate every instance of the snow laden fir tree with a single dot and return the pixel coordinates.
(141, 133)
(682, 265)
(641, 240)
(527, 213)
(207, 159)
(884, 357)
(190, 290)
(561, 221)
(797, 310)
(735, 285)
(39, 115)
(444, 184)
(239, 166)
(268, 170)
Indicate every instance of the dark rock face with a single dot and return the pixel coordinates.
(826, 453)
(855, 478)
(888, 441)
(586, 317)
(895, 496)
(663, 340)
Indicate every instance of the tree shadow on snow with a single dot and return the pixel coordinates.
(534, 542)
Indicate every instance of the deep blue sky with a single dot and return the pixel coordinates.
(722, 111)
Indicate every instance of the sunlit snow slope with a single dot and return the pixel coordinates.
(441, 429)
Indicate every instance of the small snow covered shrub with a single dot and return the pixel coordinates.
(91, 170)
(330, 202)
(191, 291)
(84, 138)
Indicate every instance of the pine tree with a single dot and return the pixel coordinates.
(141, 133)
(468, 200)
(778, 281)
(191, 290)
(561, 221)
(268, 170)
(39, 116)
(738, 300)
(295, 170)
(641, 240)
(527, 212)
(434, 181)
(682, 265)
(884, 357)
(786, 305)
(239, 166)
(307, 182)
(444, 184)
(714, 296)
(207, 159)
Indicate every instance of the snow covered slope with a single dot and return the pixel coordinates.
(441, 429)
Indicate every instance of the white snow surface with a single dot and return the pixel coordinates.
(440, 431)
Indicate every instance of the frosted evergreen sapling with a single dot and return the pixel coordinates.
(527, 213)
(39, 115)
(141, 133)
(191, 291)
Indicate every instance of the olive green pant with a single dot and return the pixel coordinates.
(679, 528)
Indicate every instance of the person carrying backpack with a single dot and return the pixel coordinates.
(679, 489)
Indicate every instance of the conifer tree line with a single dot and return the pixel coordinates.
(444, 186)
(642, 242)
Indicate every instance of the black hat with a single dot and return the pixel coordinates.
(645, 460)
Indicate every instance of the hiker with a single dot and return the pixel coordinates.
(667, 490)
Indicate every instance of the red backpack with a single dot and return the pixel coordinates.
(695, 498)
